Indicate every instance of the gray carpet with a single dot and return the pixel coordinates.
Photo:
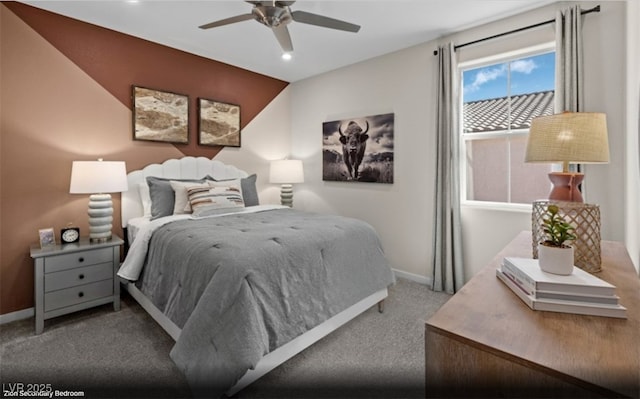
(126, 354)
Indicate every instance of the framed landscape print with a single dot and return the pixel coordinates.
(358, 149)
(218, 123)
(160, 116)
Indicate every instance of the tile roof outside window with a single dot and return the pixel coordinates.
(492, 114)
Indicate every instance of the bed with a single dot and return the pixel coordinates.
(241, 287)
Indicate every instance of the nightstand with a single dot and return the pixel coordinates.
(72, 277)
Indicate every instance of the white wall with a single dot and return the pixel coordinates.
(267, 137)
(632, 178)
(401, 212)
(604, 60)
(403, 83)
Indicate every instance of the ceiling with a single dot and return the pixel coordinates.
(386, 26)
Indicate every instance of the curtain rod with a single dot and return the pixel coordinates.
(594, 9)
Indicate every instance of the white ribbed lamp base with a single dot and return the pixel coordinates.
(100, 217)
(286, 195)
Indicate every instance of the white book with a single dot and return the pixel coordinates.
(562, 306)
(528, 273)
(605, 299)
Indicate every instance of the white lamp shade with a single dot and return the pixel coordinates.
(90, 177)
(286, 171)
(572, 137)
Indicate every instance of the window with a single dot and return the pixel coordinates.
(499, 100)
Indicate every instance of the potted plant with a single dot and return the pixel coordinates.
(554, 254)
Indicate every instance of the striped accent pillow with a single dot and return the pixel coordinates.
(215, 196)
(182, 204)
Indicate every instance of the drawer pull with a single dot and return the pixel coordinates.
(80, 294)
(81, 259)
(81, 276)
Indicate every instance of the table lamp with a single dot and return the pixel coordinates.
(568, 138)
(99, 178)
(286, 172)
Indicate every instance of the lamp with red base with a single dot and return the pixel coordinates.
(568, 138)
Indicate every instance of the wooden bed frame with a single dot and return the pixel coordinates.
(194, 168)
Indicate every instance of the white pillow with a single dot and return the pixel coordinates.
(145, 198)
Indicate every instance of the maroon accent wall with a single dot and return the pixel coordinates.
(64, 83)
(118, 61)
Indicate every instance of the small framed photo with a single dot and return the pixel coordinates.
(218, 123)
(160, 116)
(47, 238)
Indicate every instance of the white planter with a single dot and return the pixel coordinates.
(555, 260)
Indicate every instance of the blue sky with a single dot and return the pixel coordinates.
(528, 75)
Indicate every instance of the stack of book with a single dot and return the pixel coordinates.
(579, 292)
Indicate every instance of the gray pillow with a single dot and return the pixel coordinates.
(162, 195)
(249, 191)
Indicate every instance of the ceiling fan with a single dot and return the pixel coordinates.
(277, 15)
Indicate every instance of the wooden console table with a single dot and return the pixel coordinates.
(485, 342)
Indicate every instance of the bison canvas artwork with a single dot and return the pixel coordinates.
(358, 149)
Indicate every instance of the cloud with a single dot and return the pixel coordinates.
(485, 75)
(489, 74)
(523, 66)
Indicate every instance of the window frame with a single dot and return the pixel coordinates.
(509, 56)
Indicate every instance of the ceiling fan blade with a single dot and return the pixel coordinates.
(227, 21)
(325, 22)
(284, 38)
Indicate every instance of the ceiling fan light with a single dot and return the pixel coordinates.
(287, 56)
(272, 16)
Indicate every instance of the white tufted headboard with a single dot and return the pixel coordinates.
(183, 168)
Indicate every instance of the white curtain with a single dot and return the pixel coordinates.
(448, 272)
(569, 95)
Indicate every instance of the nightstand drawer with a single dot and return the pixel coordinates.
(77, 259)
(82, 293)
(78, 276)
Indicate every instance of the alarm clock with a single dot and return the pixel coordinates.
(69, 235)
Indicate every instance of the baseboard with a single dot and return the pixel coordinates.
(17, 315)
(428, 281)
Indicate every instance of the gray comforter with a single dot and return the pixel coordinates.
(242, 285)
